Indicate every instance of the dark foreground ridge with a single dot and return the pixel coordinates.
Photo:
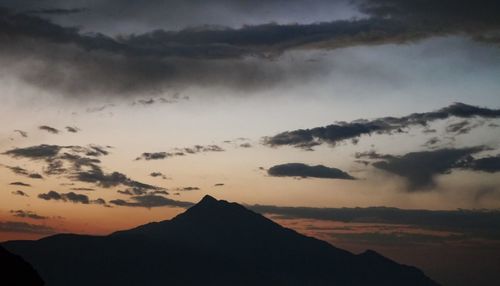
(213, 243)
(14, 271)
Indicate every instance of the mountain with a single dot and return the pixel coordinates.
(14, 271)
(212, 243)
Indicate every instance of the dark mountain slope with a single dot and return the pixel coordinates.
(14, 271)
(212, 243)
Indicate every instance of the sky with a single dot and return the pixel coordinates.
(366, 123)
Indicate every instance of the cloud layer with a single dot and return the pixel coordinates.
(305, 171)
(338, 132)
(243, 57)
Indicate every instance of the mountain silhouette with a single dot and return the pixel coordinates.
(212, 243)
(14, 271)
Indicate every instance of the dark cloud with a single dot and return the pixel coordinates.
(180, 152)
(162, 100)
(43, 151)
(20, 193)
(83, 189)
(338, 132)
(72, 129)
(200, 148)
(431, 142)
(159, 192)
(75, 166)
(150, 201)
(27, 214)
(219, 185)
(81, 63)
(462, 127)
(20, 184)
(420, 168)
(22, 227)
(372, 155)
(158, 174)
(484, 223)
(22, 133)
(187, 189)
(68, 197)
(99, 108)
(98, 177)
(246, 145)
(153, 156)
(56, 11)
(96, 151)
(23, 172)
(489, 164)
(99, 201)
(306, 171)
(49, 129)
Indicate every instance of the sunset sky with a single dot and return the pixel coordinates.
(118, 113)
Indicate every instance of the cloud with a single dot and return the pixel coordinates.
(153, 156)
(22, 227)
(151, 201)
(82, 189)
(484, 223)
(20, 193)
(98, 177)
(158, 174)
(306, 171)
(23, 172)
(420, 168)
(20, 184)
(242, 58)
(22, 133)
(66, 197)
(71, 197)
(187, 189)
(219, 185)
(43, 151)
(431, 142)
(56, 11)
(27, 214)
(246, 145)
(49, 129)
(462, 127)
(75, 166)
(72, 129)
(338, 132)
(180, 152)
(489, 164)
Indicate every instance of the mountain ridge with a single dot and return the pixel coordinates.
(212, 243)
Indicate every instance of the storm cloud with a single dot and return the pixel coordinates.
(306, 171)
(204, 55)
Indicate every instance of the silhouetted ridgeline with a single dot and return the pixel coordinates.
(14, 271)
(212, 243)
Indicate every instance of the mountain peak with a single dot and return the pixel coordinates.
(207, 199)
